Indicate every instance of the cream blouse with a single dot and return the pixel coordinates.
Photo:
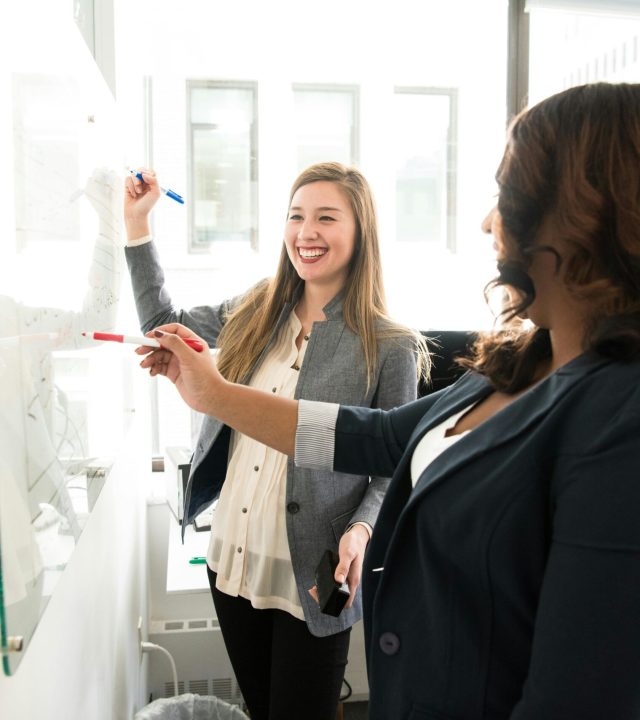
(248, 548)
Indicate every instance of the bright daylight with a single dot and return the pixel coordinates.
(319, 348)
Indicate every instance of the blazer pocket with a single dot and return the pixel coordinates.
(339, 524)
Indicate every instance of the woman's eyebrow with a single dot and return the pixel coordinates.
(320, 209)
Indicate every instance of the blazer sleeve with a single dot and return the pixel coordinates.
(373, 441)
(397, 385)
(586, 646)
(357, 440)
(153, 302)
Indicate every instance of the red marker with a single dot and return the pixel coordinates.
(133, 340)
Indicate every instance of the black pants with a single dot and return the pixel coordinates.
(284, 671)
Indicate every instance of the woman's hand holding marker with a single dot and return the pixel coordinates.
(193, 373)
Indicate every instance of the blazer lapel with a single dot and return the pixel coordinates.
(513, 420)
(469, 389)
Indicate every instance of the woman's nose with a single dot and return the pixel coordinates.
(307, 230)
(487, 223)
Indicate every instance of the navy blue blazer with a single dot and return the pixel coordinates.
(506, 584)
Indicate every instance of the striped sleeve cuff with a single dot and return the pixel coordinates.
(315, 434)
(140, 241)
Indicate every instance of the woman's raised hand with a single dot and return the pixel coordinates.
(139, 198)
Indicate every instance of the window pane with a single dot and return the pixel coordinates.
(83, 14)
(338, 105)
(324, 126)
(570, 48)
(422, 123)
(222, 148)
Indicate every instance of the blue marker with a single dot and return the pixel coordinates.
(170, 193)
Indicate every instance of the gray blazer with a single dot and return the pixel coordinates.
(319, 504)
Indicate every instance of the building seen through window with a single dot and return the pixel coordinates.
(569, 48)
(425, 152)
(326, 124)
(222, 182)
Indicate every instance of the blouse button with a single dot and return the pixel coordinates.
(239, 549)
(256, 468)
(244, 510)
(296, 367)
(306, 337)
(274, 389)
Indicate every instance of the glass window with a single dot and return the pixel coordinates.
(425, 142)
(599, 41)
(222, 153)
(424, 124)
(325, 124)
(83, 14)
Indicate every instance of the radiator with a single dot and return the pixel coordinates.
(202, 664)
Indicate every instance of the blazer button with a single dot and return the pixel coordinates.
(293, 507)
(389, 643)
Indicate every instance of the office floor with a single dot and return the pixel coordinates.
(355, 710)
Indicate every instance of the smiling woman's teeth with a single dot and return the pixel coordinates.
(314, 252)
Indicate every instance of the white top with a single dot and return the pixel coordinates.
(433, 443)
(248, 548)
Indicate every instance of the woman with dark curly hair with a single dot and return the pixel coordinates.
(503, 576)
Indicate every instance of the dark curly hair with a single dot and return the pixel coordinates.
(574, 159)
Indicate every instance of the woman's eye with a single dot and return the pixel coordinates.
(295, 217)
(326, 217)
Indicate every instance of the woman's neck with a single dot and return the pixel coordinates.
(314, 298)
(566, 345)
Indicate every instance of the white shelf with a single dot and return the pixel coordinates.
(183, 577)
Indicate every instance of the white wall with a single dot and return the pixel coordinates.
(82, 662)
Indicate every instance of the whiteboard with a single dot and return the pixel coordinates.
(64, 409)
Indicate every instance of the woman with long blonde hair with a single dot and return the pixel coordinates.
(318, 330)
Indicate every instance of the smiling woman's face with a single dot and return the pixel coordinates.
(320, 234)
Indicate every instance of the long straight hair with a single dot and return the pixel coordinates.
(250, 325)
